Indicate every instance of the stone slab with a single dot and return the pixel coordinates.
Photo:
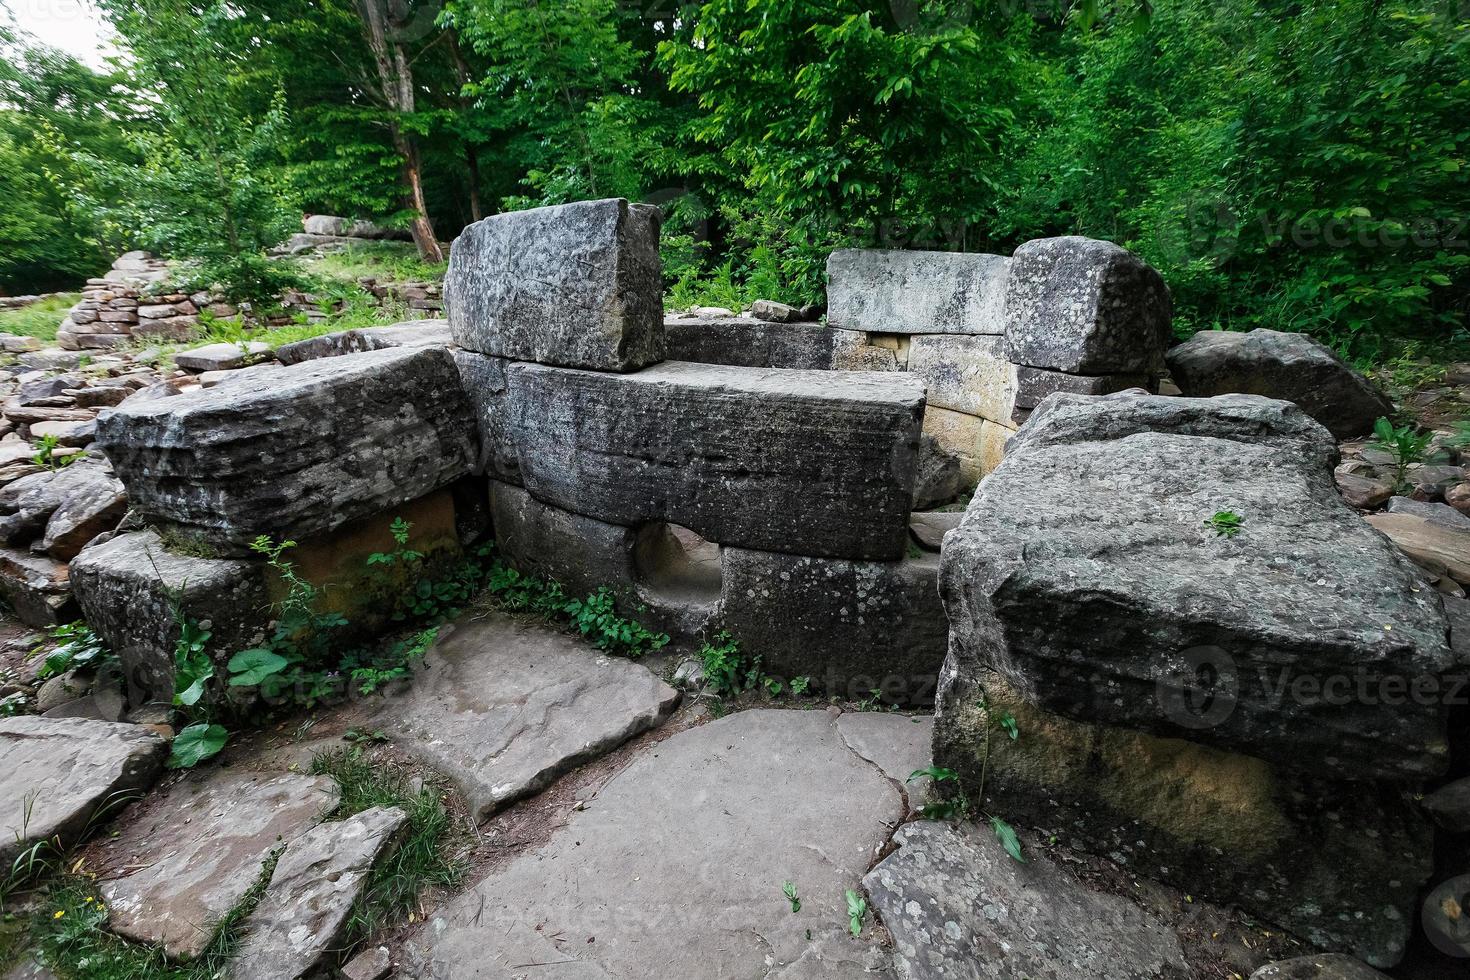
(960, 908)
(576, 285)
(302, 919)
(743, 342)
(297, 451)
(916, 292)
(676, 866)
(504, 707)
(485, 384)
(194, 852)
(63, 776)
(962, 436)
(37, 587)
(222, 357)
(1085, 307)
(1322, 966)
(966, 374)
(851, 626)
(808, 462)
(410, 333)
(1034, 384)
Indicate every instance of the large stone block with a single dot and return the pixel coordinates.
(1085, 306)
(133, 591)
(1034, 384)
(916, 292)
(578, 285)
(809, 462)
(38, 588)
(297, 451)
(1292, 366)
(966, 374)
(743, 342)
(1086, 572)
(1338, 863)
(962, 436)
(851, 626)
(483, 378)
(411, 333)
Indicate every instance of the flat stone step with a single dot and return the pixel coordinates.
(504, 707)
(676, 867)
(63, 776)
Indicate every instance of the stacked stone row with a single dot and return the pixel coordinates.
(132, 301)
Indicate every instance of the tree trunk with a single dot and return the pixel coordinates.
(471, 150)
(395, 77)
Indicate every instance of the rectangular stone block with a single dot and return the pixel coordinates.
(810, 462)
(295, 451)
(1034, 384)
(744, 342)
(916, 292)
(484, 381)
(966, 374)
(853, 627)
(412, 333)
(132, 590)
(578, 285)
(1086, 307)
(38, 588)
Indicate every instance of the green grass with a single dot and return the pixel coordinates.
(419, 862)
(388, 261)
(38, 320)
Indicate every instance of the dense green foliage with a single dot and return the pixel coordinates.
(1296, 165)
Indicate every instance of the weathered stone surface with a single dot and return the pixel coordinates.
(129, 589)
(302, 918)
(929, 528)
(1444, 918)
(1086, 573)
(91, 502)
(959, 908)
(966, 374)
(62, 777)
(1442, 514)
(38, 588)
(1436, 547)
(1034, 384)
(370, 964)
(1338, 863)
(1323, 966)
(484, 381)
(851, 626)
(773, 312)
(1363, 492)
(410, 333)
(222, 357)
(1086, 307)
(916, 292)
(960, 435)
(809, 462)
(742, 342)
(937, 479)
(1290, 366)
(578, 285)
(504, 707)
(994, 438)
(333, 226)
(193, 852)
(297, 451)
(1450, 806)
(675, 869)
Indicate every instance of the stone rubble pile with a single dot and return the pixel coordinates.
(132, 300)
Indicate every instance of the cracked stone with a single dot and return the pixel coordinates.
(504, 707)
(676, 866)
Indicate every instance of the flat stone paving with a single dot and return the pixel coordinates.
(676, 867)
(503, 707)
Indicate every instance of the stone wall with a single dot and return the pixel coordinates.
(133, 301)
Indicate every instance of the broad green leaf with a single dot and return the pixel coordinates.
(196, 743)
(250, 667)
(1006, 834)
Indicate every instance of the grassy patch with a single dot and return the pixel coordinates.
(419, 862)
(38, 320)
(386, 261)
(69, 930)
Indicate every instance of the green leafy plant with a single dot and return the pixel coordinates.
(196, 743)
(193, 667)
(46, 447)
(948, 803)
(1006, 834)
(857, 910)
(78, 648)
(594, 616)
(1225, 524)
(1403, 443)
(789, 890)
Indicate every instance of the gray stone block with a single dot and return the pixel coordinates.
(297, 451)
(132, 590)
(1087, 574)
(966, 374)
(484, 381)
(808, 462)
(411, 333)
(1086, 307)
(578, 285)
(742, 342)
(1034, 384)
(916, 292)
(851, 626)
